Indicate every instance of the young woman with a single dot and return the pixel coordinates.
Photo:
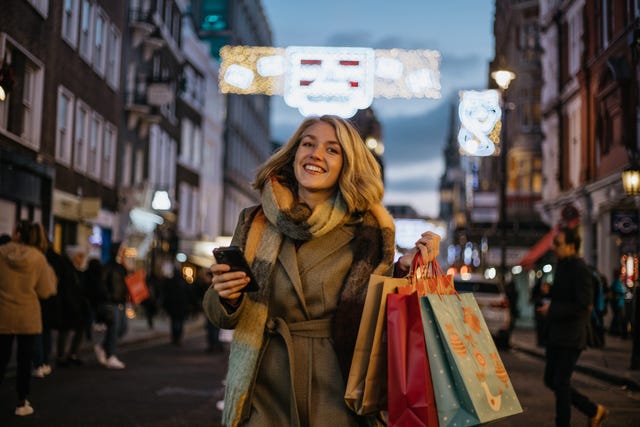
(26, 276)
(317, 236)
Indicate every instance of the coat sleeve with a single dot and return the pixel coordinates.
(47, 283)
(219, 314)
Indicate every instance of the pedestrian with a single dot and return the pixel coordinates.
(74, 307)
(317, 236)
(568, 319)
(26, 276)
(112, 308)
(93, 290)
(203, 280)
(150, 304)
(49, 309)
(176, 302)
(618, 324)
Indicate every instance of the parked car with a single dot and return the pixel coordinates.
(493, 303)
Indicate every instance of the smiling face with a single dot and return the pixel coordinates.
(318, 163)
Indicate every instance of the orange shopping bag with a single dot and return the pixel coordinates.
(137, 287)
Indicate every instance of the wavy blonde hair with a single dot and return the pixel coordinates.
(360, 180)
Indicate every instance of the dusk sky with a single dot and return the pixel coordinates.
(414, 131)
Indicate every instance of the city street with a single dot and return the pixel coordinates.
(167, 386)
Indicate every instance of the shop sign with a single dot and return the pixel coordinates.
(624, 221)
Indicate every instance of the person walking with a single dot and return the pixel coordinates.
(112, 308)
(618, 326)
(26, 276)
(74, 307)
(176, 302)
(49, 308)
(317, 236)
(568, 319)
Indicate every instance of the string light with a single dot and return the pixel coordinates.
(339, 80)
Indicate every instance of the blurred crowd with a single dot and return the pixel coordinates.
(52, 303)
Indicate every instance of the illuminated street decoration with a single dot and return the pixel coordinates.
(480, 114)
(336, 80)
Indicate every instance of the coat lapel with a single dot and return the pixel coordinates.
(312, 253)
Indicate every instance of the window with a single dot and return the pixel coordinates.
(127, 163)
(99, 42)
(70, 22)
(574, 21)
(187, 141)
(109, 155)
(21, 111)
(81, 136)
(197, 148)
(94, 146)
(28, 103)
(574, 148)
(42, 6)
(138, 175)
(64, 123)
(86, 21)
(113, 57)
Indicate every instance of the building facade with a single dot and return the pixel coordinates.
(59, 132)
(590, 121)
(247, 142)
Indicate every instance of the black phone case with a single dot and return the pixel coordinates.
(234, 257)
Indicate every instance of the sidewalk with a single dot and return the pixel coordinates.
(137, 332)
(610, 363)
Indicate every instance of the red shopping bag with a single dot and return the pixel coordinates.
(410, 390)
(137, 287)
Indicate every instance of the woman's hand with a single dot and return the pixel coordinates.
(429, 247)
(228, 284)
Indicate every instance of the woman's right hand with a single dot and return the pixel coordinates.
(228, 284)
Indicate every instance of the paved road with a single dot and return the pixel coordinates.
(167, 386)
(162, 386)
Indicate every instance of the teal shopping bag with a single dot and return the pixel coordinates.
(453, 405)
(476, 371)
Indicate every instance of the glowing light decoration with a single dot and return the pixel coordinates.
(336, 80)
(480, 114)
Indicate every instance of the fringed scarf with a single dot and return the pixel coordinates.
(262, 235)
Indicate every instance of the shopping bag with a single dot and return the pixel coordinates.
(366, 389)
(137, 287)
(454, 408)
(411, 397)
(476, 374)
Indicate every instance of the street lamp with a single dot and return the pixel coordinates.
(503, 78)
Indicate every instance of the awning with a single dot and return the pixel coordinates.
(543, 245)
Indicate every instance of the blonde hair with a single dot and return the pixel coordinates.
(360, 180)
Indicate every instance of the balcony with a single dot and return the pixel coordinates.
(141, 22)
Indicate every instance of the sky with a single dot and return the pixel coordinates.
(414, 131)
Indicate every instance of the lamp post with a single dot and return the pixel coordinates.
(503, 78)
(631, 184)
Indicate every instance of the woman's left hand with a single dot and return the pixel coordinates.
(429, 247)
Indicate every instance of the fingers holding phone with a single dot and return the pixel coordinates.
(232, 274)
(229, 284)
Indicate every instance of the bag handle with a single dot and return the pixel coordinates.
(431, 270)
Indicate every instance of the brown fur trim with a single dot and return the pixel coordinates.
(373, 249)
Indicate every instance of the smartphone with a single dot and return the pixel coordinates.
(234, 257)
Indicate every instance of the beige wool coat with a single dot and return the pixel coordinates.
(25, 276)
(306, 285)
